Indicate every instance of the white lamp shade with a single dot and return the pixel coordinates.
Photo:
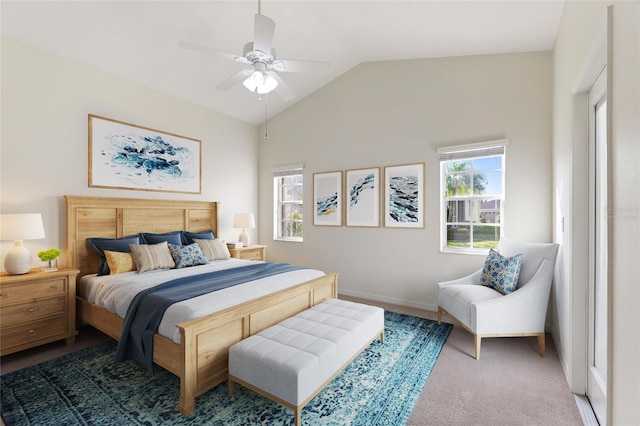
(244, 220)
(19, 227)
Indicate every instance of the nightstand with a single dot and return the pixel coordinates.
(252, 252)
(37, 308)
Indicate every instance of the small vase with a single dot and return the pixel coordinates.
(50, 266)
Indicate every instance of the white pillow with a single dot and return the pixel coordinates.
(214, 249)
(152, 256)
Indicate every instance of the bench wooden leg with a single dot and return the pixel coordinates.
(230, 386)
(439, 314)
(298, 413)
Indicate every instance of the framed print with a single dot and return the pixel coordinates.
(126, 156)
(327, 199)
(404, 196)
(363, 197)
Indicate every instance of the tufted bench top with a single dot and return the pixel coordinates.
(293, 360)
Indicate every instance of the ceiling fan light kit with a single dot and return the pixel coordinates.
(260, 81)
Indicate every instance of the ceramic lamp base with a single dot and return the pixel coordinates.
(244, 238)
(18, 260)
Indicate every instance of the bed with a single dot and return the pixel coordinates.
(200, 359)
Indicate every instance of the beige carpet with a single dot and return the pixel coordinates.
(510, 384)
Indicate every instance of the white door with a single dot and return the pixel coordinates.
(598, 249)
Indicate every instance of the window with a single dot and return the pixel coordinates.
(287, 200)
(472, 188)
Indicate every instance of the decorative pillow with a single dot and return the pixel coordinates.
(119, 262)
(188, 237)
(501, 273)
(152, 256)
(174, 237)
(189, 255)
(112, 244)
(214, 249)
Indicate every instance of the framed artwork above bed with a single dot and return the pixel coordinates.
(127, 156)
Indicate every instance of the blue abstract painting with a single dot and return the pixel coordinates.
(126, 156)
(404, 189)
(327, 195)
(363, 192)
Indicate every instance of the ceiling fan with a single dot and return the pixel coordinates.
(261, 73)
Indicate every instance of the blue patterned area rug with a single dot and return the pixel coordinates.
(380, 387)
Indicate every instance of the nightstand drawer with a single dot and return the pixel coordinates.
(251, 254)
(19, 314)
(26, 292)
(27, 334)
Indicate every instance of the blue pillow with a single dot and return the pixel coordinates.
(501, 273)
(189, 255)
(174, 237)
(111, 244)
(188, 237)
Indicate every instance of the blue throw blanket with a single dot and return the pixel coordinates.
(147, 308)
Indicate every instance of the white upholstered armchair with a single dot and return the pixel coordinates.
(485, 312)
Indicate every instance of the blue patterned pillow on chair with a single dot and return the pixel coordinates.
(501, 273)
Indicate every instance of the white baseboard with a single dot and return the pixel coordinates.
(391, 300)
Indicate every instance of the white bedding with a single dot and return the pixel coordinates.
(115, 292)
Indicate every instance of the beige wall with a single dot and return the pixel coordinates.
(398, 112)
(45, 103)
(579, 29)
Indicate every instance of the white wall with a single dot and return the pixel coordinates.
(398, 112)
(45, 103)
(579, 28)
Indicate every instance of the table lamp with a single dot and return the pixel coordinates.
(244, 220)
(20, 227)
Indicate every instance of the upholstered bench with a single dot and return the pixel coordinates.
(293, 360)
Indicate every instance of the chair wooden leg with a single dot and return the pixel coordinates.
(439, 314)
(541, 343)
(477, 340)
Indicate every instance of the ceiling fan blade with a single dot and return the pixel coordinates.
(234, 79)
(282, 89)
(263, 30)
(285, 65)
(211, 51)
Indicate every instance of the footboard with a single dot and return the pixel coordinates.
(206, 341)
(201, 359)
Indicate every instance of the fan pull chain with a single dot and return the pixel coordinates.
(266, 119)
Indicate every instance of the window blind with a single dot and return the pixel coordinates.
(293, 169)
(474, 150)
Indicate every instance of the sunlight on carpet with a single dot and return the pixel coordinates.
(380, 387)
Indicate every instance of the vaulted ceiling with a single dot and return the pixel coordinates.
(138, 40)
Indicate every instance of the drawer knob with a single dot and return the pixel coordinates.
(3, 295)
(53, 288)
(30, 311)
(31, 333)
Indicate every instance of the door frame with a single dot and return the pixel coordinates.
(597, 58)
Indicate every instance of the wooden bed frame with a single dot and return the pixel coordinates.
(201, 359)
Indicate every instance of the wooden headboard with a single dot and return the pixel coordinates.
(105, 217)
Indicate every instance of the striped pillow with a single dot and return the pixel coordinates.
(214, 249)
(152, 256)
